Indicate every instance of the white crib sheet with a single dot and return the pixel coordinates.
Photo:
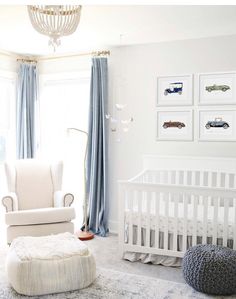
(134, 216)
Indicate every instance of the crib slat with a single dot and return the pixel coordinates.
(185, 200)
(151, 177)
(195, 212)
(174, 176)
(185, 178)
(130, 195)
(166, 200)
(205, 214)
(218, 179)
(209, 178)
(169, 177)
(148, 218)
(156, 177)
(162, 177)
(122, 222)
(234, 181)
(215, 222)
(139, 198)
(177, 177)
(226, 216)
(201, 178)
(226, 180)
(234, 227)
(193, 182)
(231, 180)
(157, 195)
(144, 176)
(175, 235)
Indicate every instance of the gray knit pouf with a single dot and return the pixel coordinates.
(210, 269)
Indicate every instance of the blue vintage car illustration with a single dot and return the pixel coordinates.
(217, 123)
(175, 87)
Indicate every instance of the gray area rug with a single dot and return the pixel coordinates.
(113, 285)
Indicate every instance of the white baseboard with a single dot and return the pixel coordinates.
(113, 227)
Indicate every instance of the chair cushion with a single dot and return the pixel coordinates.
(34, 185)
(40, 216)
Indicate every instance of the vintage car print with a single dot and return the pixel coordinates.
(173, 124)
(217, 123)
(217, 87)
(176, 87)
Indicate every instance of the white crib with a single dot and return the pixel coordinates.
(178, 202)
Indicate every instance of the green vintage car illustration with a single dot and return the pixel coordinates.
(217, 87)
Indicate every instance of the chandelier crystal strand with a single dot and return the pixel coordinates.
(55, 21)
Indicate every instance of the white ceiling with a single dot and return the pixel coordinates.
(107, 26)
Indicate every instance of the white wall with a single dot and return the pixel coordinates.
(8, 63)
(67, 64)
(133, 81)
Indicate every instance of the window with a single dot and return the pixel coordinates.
(7, 116)
(7, 132)
(64, 103)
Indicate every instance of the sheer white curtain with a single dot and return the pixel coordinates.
(64, 103)
(7, 116)
(7, 135)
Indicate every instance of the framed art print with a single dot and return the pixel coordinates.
(174, 90)
(217, 88)
(175, 125)
(217, 125)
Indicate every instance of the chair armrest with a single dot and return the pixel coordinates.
(63, 199)
(10, 202)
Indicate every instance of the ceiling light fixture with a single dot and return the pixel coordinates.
(55, 21)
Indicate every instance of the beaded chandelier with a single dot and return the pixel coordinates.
(55, 21)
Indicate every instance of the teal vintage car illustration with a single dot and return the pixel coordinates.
(223, 88)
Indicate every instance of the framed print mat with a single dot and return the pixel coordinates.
(217, 88)
(217, 125)
(175, 125)
(174, 90)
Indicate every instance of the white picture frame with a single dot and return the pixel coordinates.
(217, 124)
(175, 124)
(175, 90)
(217, 88)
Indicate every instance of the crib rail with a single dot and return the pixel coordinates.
(166, 219)
(185, 177)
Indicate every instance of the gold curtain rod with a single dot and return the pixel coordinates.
(27, 60)
(101, 53)
(94, 53)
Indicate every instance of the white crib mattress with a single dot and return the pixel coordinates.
(171, 220)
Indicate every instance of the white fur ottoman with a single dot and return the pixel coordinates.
(51, 264)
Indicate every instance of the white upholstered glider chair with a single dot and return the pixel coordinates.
(35, 205)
